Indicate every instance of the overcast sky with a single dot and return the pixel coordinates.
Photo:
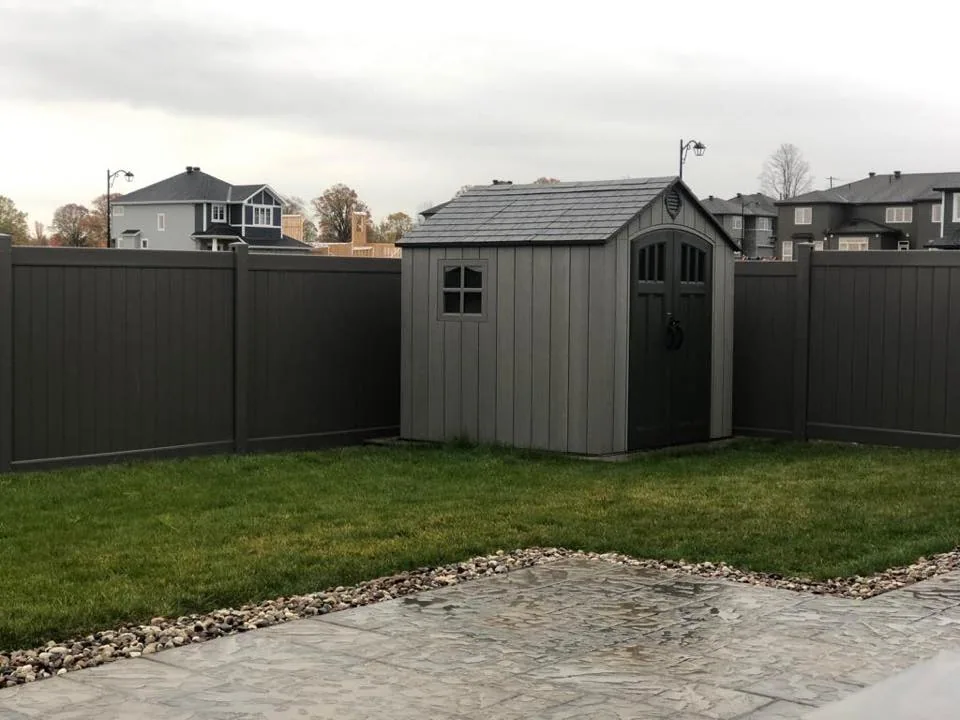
(407, 101)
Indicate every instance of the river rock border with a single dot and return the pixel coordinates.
(58, 658)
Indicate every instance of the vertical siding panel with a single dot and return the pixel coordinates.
(621, 344)
(874, 374)
(118, 334)
(579, 349)
(952, 401)
(422, 317)
(938, 351)
(860, 346)
(86, 318)
(24, 319)
(132, 438)
(907, 347)
(541, 312)
(890, 353)
(76, 363)
(601, 349)
(106, 362)
(435, 361)
(470, 370)
(559, 347)
(523, 347)
(717, 343)
(506, 297)
(728, 317)
(488, 356)
(452, 364)
(148, 351)
(406, 342)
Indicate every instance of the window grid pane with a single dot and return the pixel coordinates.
(452, 278)
(472, 302)
(451, 302)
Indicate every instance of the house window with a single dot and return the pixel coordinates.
(956, 207)
(765, 224)
(903, 214)
(218, 213)
(803, 216)
(786, 250)
(262, 215)
(936, 213)
(737, 222)
(903, 244)
(854, 244)
(818, 245)
(462, 290)
(118, 210)
(161, 221)
(144, 243)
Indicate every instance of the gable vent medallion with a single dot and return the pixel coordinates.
(672, 202)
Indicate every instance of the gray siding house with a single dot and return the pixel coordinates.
(751, 220)
(899, 211)
(196, 211)
(587, 318)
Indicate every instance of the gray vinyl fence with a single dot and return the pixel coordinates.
(850, 346)
(106, 355)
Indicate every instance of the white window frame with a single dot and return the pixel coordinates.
(737, 222)
(786, 251)
(853, 244)
(161, 222)
(903, 244)
(144, 243)
(956, 207)
(118, 210)
(803, 215)
(936, 213)
(262, 209)
(899, 215)
(818, 245)
(220, 216)
(764, 224)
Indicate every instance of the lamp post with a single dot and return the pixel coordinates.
(110, 178)
(698, 150)
(743, 224)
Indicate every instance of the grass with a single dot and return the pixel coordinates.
(85, 549)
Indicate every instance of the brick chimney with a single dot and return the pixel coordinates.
(358, 234)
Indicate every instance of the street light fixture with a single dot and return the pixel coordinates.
(698, 150)
(110, 178)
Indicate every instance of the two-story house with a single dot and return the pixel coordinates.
(751, 220)
(196, 211)
(898, 211)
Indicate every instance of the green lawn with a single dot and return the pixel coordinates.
(84, 549)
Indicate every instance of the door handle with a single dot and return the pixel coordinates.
(674, 333)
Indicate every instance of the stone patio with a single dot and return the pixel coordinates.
(568, 639)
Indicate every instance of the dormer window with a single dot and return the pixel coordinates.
(218, 213)
(262, 215)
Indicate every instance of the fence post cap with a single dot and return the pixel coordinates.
(6, 241)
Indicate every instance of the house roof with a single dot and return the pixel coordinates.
(858, 226)
(757, 204)
(219, 230)
(716, 206)
(130, 232)
(882, 189)
(285, 241)
(570, 213)
(193, 186)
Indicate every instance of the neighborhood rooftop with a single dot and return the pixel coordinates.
(558, 213)
(192, 185)
(883, 189)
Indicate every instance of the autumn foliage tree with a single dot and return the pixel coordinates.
(334, 212)
(13, 221)
(394, 227)
(71, 225)
(96, 221)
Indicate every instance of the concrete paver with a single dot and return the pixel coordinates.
(572, 639)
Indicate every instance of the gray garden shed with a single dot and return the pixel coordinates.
(584, 317)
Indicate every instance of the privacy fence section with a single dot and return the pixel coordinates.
(853, 346)
(113, 354)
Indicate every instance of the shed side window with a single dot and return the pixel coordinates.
(462, 291)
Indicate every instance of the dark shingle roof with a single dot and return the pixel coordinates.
(857, 226)
(716, 206)
(882, 189)
(284, 241)
(570, 213)
(188, 187)
(219, 230)
(757, 204)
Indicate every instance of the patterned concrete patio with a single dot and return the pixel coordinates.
(571, 639)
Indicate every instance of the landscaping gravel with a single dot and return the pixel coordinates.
(57, 658)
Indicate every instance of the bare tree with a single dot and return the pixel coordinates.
(39, 236)
(785, 173)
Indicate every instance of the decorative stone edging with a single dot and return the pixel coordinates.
(22, 666)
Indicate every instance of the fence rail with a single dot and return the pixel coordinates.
(850, 346)
(106, 355)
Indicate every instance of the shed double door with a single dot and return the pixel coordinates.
(670, 340)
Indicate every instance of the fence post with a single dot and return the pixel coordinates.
(241, 325)
(801, 350)
(6, 353)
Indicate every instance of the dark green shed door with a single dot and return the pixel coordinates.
(670, 340)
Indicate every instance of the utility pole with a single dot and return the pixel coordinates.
(831, 179)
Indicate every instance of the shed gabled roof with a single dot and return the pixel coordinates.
(570, 213)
